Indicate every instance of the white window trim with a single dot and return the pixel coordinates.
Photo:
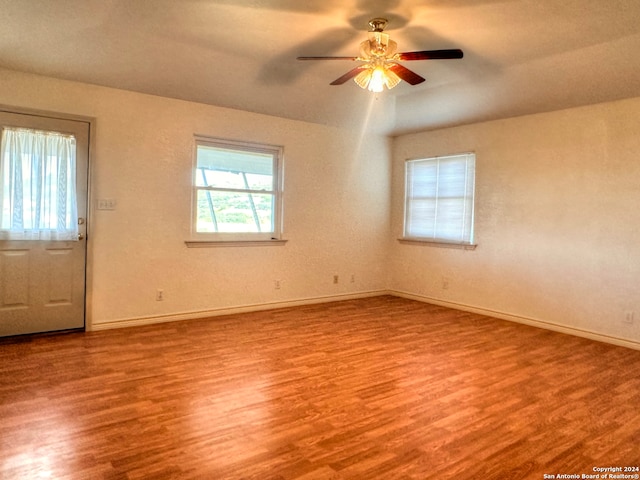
(437, 242)
(234, 243)
(224, 239)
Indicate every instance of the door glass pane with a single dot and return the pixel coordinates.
(38, 185)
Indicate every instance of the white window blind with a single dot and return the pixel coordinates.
(37, 185)
(439, 198)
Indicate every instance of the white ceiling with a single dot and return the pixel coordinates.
(521, 56)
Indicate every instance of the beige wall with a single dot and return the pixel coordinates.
(557, 220)
(557, 213)
(336, 206)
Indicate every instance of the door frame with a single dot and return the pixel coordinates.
(88, 277)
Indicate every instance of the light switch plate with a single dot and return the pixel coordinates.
(106, 204)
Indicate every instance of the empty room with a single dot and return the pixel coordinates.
(319, 240)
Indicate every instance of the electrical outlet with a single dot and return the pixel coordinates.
(445, 283)
(335, 279)
(353, 278)
(159, 295)
(276, 284)
(628, 317)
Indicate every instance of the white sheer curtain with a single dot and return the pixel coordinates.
(37, 185)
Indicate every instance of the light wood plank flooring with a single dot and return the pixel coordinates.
(379, 388)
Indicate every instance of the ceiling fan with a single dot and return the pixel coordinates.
(381, 67)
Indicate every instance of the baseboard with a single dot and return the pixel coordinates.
(192, 315)
(622, 342)
(196, 314)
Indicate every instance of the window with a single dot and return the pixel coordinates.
(237, 191)
(37, 185)
(439, 199)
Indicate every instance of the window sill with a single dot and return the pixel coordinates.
(233, 243)
(438, 243)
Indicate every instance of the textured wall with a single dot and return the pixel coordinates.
(556, 212)
(557, 219)
(336, 205)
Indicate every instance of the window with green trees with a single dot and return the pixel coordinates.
(237, 190)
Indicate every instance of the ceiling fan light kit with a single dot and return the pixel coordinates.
(381, 67)
(375, 78)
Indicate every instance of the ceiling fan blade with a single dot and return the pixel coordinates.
(405, 74)
(348, 76)
(431, 55)
(327, 58)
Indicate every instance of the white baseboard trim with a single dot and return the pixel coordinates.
(216, 312)
(578, 332)
(198, 314)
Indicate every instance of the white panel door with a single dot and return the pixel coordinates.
(42, 282)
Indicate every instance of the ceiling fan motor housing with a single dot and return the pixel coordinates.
(378, 45)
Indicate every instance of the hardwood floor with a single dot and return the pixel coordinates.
(379, 388)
